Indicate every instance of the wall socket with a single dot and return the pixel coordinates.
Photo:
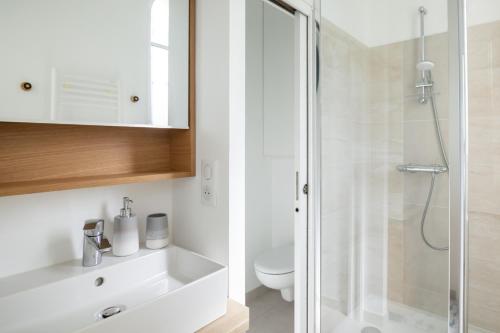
(208, 183)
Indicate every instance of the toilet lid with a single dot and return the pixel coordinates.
(276, 261)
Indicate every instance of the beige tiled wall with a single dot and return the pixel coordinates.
(409, 128)
(484, 175)
(343, 101)
(425, 270)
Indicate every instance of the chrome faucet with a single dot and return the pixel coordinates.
(94, 244)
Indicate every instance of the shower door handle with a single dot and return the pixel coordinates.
(296, 190)
(305, 189)
(296, 186)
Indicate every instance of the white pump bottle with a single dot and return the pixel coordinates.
(125, 231)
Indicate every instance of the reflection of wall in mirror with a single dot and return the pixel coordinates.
(94, 41)
(171, 46)
(179, 63)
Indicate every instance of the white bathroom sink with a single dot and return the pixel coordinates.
(168, 290)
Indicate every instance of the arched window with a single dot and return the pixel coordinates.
(159, 61)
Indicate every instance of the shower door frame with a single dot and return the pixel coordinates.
(306, 138)
(458, 205)
(458, 177)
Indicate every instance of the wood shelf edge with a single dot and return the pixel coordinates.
(49, 185)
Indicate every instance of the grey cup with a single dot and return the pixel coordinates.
(157, 226)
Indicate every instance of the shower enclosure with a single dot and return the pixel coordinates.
(393, 107)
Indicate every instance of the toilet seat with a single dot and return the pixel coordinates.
(277, 261)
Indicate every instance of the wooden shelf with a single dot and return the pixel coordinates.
(43, 157)
(49, 185)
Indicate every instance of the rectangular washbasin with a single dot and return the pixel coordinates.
(168, 290)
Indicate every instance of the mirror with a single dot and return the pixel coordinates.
(95, 62)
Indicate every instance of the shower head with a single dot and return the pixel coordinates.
(425, 66)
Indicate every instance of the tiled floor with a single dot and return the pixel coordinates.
(269, 313)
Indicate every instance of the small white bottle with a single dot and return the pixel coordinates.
(125, 231)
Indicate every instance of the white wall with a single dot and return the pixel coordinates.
(351, 16)
(483, 11)
(201, 228)
(282, 201)
(278, 81)
(383, 22)
(269, 132)
(219, 94)
(279, 120)
(258, 168)
(237, 28)
(43, 229)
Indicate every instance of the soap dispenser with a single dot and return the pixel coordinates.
(125, 231)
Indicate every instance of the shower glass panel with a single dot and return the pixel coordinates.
(484, 167)
(384, 95)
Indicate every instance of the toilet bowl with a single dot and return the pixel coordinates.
(275, 270)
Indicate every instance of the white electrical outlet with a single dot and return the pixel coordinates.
(208, 183)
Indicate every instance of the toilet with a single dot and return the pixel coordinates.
(275, 270)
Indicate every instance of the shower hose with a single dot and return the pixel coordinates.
(439, 136)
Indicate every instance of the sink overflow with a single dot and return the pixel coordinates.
(99, 281)
(111, 311)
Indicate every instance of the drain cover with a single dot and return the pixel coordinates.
(111, 311)
(370, 329)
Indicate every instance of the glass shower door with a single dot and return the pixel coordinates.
(484, 143)
(384, 102)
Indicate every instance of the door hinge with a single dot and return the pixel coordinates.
(305, 189)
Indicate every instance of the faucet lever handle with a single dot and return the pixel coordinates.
(105, 245)
(94, 227)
